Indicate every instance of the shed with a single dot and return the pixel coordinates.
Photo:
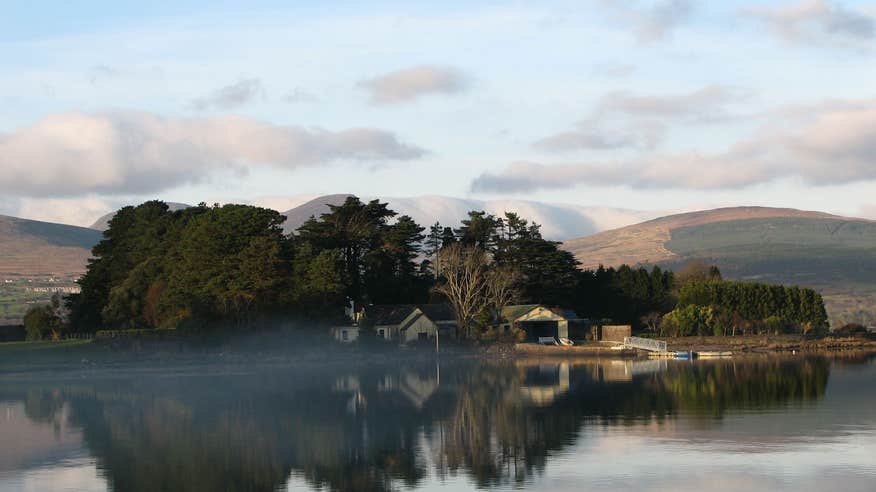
(539, 321)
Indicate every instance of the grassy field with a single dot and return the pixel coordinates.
(18, 293)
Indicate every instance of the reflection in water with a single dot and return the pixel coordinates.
(389, 428)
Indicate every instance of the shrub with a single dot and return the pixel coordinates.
(690, 320)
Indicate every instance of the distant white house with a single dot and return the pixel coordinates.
(345, 334)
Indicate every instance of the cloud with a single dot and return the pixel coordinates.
(625, 120)
(411, 83)
(100, 72)
(299, 95)
(836, 146)
(231, 96)
(655, 21)
(610, 69)
(592, 135)
(868, 211)
(816, 20)
(710, 103)
(73, 154)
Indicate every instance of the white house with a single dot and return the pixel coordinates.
(345, 334)
(411, 323)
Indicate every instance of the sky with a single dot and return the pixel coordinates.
(645, 105)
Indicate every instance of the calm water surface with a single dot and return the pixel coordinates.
(796, 424)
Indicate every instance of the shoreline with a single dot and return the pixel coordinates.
(80, 357)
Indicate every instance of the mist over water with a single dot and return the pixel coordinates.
(801, 423)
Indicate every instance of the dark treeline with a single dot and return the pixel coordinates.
(232, 266)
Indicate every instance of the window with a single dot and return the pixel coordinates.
(380, 332)
(422, 336)
(344, 336)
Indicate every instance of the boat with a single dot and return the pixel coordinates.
(685, 354)
(715, 353)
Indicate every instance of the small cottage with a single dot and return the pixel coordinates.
(345, 334)
(409, 323)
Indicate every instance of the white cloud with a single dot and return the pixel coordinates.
(623, 119)
(816, 20)
(242, 92)
(411, 83)
(612, 69)
(653, 21)
(299, 95)
(836, 146)
(73, 154)
(868, 211)
(709, 103)
(595, 136)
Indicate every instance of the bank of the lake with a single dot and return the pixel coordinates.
(283, 349)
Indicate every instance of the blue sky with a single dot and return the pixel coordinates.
(652, 105)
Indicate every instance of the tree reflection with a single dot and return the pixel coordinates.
(385, 428)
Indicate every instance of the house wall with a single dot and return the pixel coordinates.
(616, 333)
(390, 332)
(351, 331)
(420, 325)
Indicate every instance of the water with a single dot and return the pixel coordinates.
(789, 423)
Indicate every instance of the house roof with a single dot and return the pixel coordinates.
(396, 313)
(389, 314)
(511, 313)
(438, 312)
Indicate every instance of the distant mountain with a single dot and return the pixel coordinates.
(29, 247)
(836, 255)
(558, 221)
(102, 223)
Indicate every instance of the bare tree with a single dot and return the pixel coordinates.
(464, 271)
(652, 321)
(501, 288)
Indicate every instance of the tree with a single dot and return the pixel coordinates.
(697, 271)
(501, 288)
(464, 282)
(433, 246)
(43, 322)
(652, 321)
(479, 229)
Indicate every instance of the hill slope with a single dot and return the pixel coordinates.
(37, 258)
(29, 247)
(836, 255)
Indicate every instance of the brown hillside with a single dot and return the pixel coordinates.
(32, 248)
(644, 243)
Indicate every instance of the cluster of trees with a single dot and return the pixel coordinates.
(208, 266)
(724, 308)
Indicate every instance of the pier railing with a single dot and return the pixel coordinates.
(645, 344)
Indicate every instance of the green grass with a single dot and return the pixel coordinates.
(7, 348)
